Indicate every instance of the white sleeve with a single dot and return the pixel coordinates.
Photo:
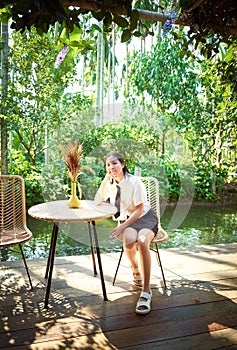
(139, 193)
(102, 194)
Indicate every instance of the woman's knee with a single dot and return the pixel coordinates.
(143, 245)
(144, 239)
(129, 237)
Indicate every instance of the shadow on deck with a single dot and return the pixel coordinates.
(198, 310)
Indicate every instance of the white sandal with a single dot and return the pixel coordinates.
(137, 277)
(146, 303)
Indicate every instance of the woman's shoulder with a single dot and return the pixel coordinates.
(133, 178)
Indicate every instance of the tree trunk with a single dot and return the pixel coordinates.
(113, 70)
(4, 86)
(95, 6)
(127, 65)
(109, 79)
(98, 80)
(102, 72)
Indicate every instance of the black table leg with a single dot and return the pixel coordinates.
(92, 249)
(99, 261)
(50, 254)
(50, 263)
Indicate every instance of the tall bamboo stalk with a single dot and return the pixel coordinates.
(4, 88)
(102, 71)
(98, 79)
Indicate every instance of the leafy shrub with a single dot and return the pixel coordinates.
(209, 180)
(19, 165)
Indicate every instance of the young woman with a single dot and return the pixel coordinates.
(137, 222)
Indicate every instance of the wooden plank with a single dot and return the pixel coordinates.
(192, 319)
(199, 307)
(32, 302)
(91, 342)
(222, 339)
(133, 336)
(170, 330)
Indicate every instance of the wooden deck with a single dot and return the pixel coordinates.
(198, 311)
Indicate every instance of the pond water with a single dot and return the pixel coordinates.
(186, 226)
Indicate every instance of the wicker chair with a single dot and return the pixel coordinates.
(152, 188)
(13, 228)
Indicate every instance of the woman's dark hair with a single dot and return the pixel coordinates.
(119, 157)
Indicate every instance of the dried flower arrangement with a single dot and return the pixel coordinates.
(73, 159)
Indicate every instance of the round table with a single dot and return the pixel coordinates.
(58, 211)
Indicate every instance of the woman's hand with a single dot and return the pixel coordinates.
(99, 196)
(117, 232)
(107, 178)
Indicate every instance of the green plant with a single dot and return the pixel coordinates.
(19, 165)
(204, 182)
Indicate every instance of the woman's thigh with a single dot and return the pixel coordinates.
(130, 236)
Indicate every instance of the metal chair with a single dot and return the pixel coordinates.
(152, 189)
(13, 227)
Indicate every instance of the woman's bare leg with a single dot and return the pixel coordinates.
(144, 239)
(129, 246)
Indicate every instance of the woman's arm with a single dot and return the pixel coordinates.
(116, 232)
(100, 194)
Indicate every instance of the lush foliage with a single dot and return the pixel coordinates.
(37, 105)
(211, 22)
(178, 125)
(166, 83)
(35, 92)
(19, 165)
(192, 98)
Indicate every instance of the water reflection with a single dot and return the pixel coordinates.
(203, 225)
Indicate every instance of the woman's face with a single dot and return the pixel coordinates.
(114, 167)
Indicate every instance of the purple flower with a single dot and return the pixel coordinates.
(167, 26)
(169, 23)
(61, 56)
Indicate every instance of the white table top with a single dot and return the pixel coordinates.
(59, 211)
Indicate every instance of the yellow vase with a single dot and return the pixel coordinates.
(74, 201)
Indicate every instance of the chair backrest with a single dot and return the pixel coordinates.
(152, 189)
(12, 204)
